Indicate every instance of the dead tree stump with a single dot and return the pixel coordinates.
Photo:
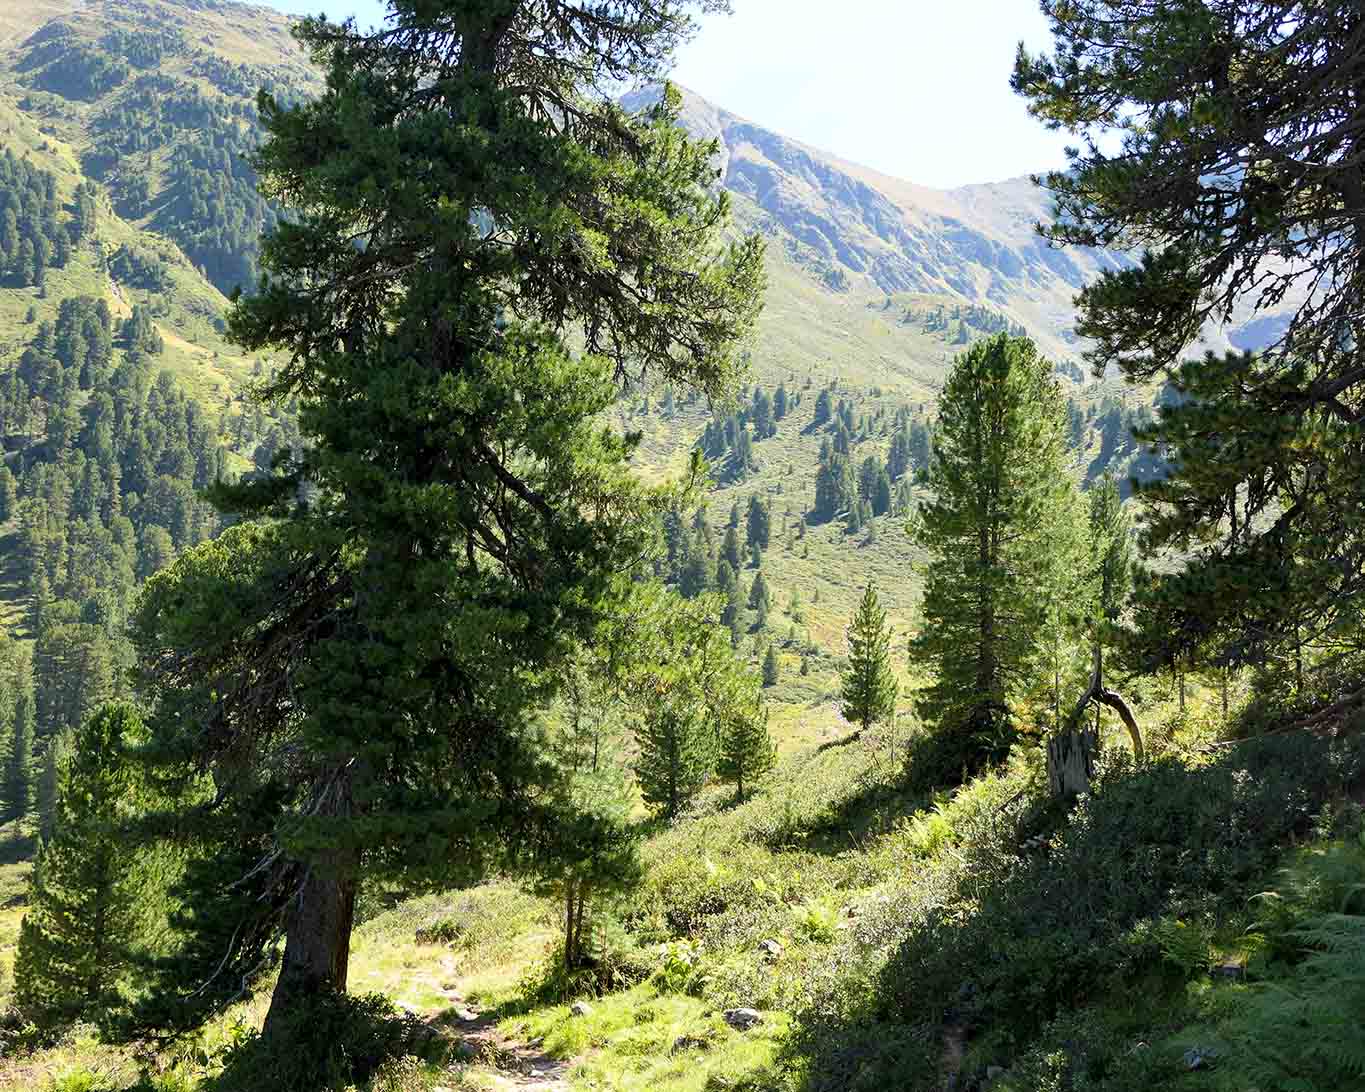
(1071, 762)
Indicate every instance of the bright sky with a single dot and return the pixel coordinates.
(919, 90)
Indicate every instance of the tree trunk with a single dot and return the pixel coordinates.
(569, 941)
(1070, 754)
(317, 946)
(1071, 762)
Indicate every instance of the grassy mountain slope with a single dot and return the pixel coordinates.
(867, 273)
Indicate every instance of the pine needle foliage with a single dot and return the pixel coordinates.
(1000, 481)
(483, 244)
(1223, 138)
(747, 751)
(869, 684)
(87, 893)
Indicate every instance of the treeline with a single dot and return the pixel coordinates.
(959, 322)
(101, 489)
(33, 236)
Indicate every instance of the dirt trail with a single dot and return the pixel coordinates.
(508, 1064)
(954, 1049)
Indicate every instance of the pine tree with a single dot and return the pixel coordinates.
(676, 751)
(465, 495)
(999, 479)
(1207, 169)
(759, 596)
(730, 550)
(20, 789)
(758, 527)
(747, 751)
(732, 616)
(822, 407)
(85, 894)
(882, 496)
(869, 685)
(770, 666)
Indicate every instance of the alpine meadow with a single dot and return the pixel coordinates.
(516, 576)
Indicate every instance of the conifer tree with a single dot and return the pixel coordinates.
(374, 653)
(747, 750)
(758, 528)
(881, 497)
(1234, 160)
(86, 892)
(1000, 481)
(20, 788)
(770, 666)
(869, 685)
(822, 407)
(759, 596)
(677, 751)
(730, 550)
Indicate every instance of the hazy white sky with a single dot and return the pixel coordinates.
(915, 88)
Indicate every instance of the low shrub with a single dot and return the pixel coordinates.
(1020, 930)
(334, 1042)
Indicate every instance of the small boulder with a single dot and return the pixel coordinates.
(580, 1008)
(771, 949)
(1199, 1057)
(743, 1019)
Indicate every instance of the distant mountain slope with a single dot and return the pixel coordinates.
(875, 242)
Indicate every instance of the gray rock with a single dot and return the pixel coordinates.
(743, 1019)
(580, 1008)
(1199, 1057)
(771, 949)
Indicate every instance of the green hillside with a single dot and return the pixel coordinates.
(538, 779)
(156, 122)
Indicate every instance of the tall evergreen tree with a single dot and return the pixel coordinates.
(1000, 480)
(86, 893)
(463, 513)
(20, 777)
(869, 684)
(760, 598)
(1238, 167)
(759, 522)
(770, 666)
(730, 550)
(677, 751)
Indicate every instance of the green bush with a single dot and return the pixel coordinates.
(1022, 930)
(938, 759)
(332, 1043)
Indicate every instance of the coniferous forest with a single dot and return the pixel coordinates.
(512, 575)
